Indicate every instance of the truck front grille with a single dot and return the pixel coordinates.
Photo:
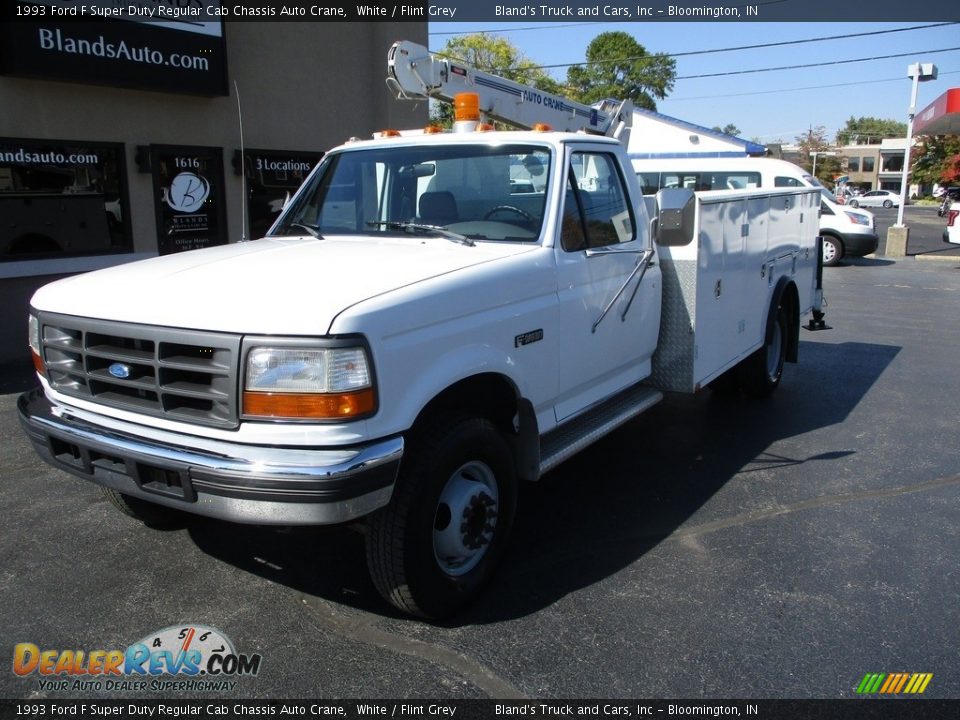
(182, 375)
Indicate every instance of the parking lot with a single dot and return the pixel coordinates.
(709, 549)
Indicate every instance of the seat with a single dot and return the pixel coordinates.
(438, 208)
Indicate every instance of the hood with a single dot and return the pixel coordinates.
(293, 286)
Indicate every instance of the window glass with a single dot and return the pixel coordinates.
(596, 212)
(853, 164)
(692, 180)
(479, 191)
(62, 198)
(868, 164)
(783, 181)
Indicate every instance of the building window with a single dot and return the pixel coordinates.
(868, 164)
(853, 164)
(62, 198)
(894, 164)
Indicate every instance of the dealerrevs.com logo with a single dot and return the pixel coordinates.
(180, 657)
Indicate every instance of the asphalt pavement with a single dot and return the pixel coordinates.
(709, 549)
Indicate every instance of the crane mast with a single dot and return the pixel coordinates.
(415, 73)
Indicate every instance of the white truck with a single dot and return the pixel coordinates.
(434, 318)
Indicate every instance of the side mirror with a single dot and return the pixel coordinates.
(676, 215)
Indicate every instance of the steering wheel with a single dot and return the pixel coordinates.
(509, 208)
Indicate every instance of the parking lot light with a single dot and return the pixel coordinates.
(918, 73)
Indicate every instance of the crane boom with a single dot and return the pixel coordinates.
(415, 73)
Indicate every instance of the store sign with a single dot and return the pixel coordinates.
(119, 46)
(273, 176)
(189, 197)
(62, 198)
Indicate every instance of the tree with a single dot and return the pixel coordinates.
(493, 54)
(620, 67)
(815, 140)
(869, 130)
(728, 129)
(936, 159)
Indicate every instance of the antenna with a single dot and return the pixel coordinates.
(243, 170)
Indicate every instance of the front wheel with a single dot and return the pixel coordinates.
(439, 540)
(854, 204)
(832, 251)
(888, 204)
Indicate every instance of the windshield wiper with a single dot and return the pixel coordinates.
(409, 225)
(314, 230)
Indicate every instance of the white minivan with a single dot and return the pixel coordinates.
(846, 232)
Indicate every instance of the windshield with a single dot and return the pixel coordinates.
(477, 192)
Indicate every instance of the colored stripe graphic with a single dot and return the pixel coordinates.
(894, 683)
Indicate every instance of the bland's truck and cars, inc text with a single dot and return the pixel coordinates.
(434, 318)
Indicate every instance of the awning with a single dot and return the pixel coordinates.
(941, 117)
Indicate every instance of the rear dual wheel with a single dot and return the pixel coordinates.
(762, 371)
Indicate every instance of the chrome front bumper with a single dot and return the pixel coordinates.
(229, 481)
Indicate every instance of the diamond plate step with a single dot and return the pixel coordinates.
(573, 436)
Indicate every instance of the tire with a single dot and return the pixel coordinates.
(888, 204)
(420, 561)
(762, 371)
(854, 204)
(832, 251)
(146, 512)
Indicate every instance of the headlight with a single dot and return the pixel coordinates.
(33, 338)
(311, 383)
(857, 218)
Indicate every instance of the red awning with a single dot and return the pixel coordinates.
(941, 117)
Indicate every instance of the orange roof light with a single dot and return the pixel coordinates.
(432, 130)
(542, 127)
(485, 127)
(389, 133)
(466, 106)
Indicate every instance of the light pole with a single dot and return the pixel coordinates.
(813, 154)
(918, 73)
(898, 235)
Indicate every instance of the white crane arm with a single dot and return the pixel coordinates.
(415, 73)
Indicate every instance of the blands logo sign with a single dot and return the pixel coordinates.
(894, 683)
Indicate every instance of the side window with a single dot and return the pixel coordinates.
(781, 181)
(649, 182)
(596, 211)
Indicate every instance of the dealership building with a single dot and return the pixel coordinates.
(120, 139)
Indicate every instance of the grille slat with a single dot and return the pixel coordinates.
(183, 375)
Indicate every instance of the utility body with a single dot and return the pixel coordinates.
(434, 318)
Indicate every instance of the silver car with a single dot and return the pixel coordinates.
(876, 198)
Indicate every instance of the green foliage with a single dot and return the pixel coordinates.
(620, 67)
(936, 159)
(869, 131)
(493, 54)
(815, 140)
(728, 129)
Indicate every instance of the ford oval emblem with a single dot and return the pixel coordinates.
(119, 370)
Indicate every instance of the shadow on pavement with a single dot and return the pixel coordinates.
(602, 510)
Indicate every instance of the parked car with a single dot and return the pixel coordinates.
(948, 196)
(876, 198)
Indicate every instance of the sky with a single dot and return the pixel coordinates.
(773, 106)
